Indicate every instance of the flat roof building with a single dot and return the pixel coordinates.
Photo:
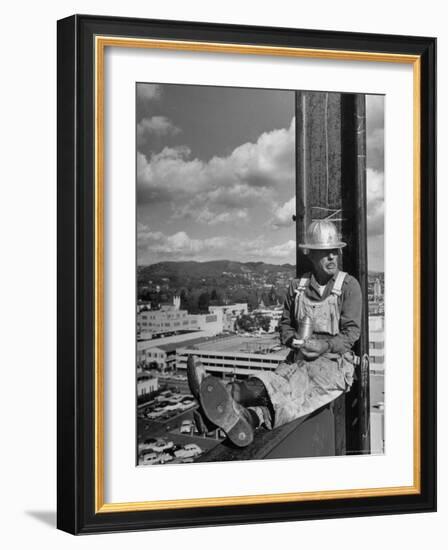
(235, 355)
(376, 343)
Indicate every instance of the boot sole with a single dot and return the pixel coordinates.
(193, 377)
(219, 408)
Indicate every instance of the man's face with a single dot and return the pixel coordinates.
(325, 262)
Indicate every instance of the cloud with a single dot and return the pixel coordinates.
(155, 246)
(250, 174)
(375, 202)
(375, 248)
(375, 132)
(159, 125)
(148, 92)
(154, 128)
(375, 111)
(203, 214)
(282, 216)
(285, 251)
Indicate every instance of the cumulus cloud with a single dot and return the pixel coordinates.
(177, 246)
(159, 125)
(283, 214)
(375, 202)
(284, 251)
(203, 214)
(248, 175)
(148, 92)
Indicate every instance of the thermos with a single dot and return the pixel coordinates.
(305, 329)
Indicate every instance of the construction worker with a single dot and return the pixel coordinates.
(320, 324)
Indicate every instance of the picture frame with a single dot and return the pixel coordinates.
(82, 42)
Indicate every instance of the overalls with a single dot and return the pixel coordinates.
(298, 387)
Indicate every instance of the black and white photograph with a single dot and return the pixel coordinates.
(260, 274)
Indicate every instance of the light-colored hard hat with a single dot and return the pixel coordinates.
(322, 235)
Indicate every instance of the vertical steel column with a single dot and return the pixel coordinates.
(354, 229)
(302, 206)
(330, 174)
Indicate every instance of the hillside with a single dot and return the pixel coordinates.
(178, 271)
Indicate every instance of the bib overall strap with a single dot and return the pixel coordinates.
(303, 283)
(337, 287)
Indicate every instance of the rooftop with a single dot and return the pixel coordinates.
(239, 343)
(178, 338)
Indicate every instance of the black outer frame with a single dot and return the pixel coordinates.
(75, 380)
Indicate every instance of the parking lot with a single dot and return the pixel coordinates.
(172, 432)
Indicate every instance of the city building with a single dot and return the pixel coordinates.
(170, 319)
(229, 314)
(143, 305)
(146, 384)
(162, 356)
(376, 343)
(235, 355)
(273, 313)
(167, 319)
(377, 291)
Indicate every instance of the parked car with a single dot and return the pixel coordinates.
(161, 445)
(188, 398)
(163, 396)
(149, 458)
(185, 405)
(173, 407)
(165, 457)
(175, 398)
(146, 444)
(155, 414)
(188, 451)
(186, 427)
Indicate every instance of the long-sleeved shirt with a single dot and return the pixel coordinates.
(350, 303)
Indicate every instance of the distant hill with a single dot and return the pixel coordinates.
(216, 268)
(200, 284)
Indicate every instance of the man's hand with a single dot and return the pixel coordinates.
(312, 349)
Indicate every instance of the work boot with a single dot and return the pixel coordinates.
(220, 408)
(249, 393)
(195, 374)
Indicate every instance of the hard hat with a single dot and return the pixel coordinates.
(322, 235)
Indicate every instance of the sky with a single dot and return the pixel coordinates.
(215, 174)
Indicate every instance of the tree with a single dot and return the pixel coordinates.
(204, 301)
(264, 322)
(184, 299)
(246, 323)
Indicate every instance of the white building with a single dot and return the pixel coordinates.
(164, 356)
(273, 313)
(171, 319)
(210, 323)
(229, 314)
(235, 355)
(146, 384)
(376, 343)
(167, 319)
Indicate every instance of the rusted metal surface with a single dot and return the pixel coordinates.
(331, 179)
(318, 161)
(310, 436)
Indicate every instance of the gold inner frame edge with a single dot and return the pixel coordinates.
(100, 43)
